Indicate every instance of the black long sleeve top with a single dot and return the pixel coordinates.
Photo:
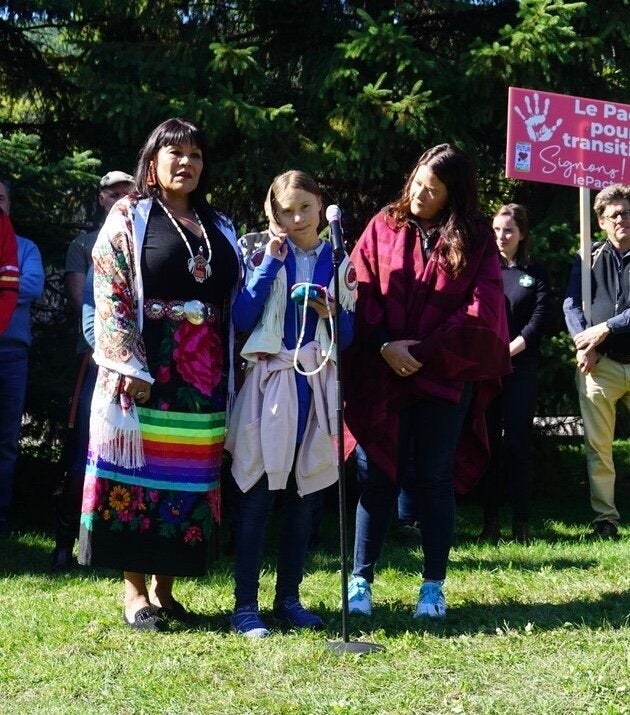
(528, 307)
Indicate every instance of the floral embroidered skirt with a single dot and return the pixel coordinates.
(159, 518)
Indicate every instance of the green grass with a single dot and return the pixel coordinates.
(543, 628)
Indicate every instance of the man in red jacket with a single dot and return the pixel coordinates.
(9, 271)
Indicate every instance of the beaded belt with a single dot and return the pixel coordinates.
(194, 311)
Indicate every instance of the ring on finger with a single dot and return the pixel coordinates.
(403, 370)
(140, 394)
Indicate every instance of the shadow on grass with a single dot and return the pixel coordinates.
(610, 610)
(510, 562)
(22, 554)
(519, 558)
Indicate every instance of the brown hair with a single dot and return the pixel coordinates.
(293, 179)
(614, 192)
(455, 170)
(519, 214)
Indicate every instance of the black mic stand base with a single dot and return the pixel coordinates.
(354, 647)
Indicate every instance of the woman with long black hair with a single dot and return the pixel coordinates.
(166, 271)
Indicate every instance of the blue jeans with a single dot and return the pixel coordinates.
(13, 373)
(429, 430)
(511, 413)
(255, 509)
(408, 494)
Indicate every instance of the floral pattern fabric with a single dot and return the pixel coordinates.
(125, 525)
(171, 514)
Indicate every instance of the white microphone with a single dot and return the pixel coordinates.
(333, 216)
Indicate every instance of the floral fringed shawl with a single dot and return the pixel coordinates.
(119, 349)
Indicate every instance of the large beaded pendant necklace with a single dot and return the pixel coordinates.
(198, 266)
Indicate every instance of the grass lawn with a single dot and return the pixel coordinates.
(543, 628)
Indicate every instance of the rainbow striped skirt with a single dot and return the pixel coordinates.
(157, 518)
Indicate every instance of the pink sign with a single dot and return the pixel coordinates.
(567, 140)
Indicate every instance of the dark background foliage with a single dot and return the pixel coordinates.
(350, 91)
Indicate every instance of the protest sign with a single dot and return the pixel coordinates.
(561, 139)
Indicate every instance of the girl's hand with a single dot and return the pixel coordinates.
(137, 389)
(396, 355)
(319, 306)
(276, 245)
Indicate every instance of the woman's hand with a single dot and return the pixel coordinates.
(276, 246)
(517, 345)
(137, 389)
(396, 355)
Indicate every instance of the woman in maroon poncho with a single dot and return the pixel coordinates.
(431, 343)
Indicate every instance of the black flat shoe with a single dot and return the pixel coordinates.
(605, 529)
(520, 532)
(145, 619)
(491, 532)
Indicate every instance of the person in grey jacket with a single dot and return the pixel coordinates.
(603, 347)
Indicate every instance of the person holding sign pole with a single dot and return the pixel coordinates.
(603, 348)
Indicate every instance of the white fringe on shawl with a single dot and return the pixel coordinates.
(115, 432)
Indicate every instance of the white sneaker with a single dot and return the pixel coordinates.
(359, 596)
(431, 602)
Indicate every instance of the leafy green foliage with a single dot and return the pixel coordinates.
(351, 92)
(49, 197)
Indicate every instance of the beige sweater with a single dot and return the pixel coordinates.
(263, 427)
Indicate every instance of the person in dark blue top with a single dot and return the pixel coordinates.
(281, 435)
(510, 416)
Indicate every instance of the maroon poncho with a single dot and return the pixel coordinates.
(462, 327)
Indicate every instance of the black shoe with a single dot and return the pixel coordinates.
(145, 619)
(605, 529)
(62, 559)
(520, 532)
(176, 611)
(491, 531)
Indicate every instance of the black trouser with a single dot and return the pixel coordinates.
(509, 419)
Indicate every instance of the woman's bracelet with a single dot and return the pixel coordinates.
(383, 346)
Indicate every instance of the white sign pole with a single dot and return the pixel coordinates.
(585, 251)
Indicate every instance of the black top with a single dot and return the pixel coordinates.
(527, 303)
(164, 261)
(165, 275)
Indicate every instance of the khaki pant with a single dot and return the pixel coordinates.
(599, 392)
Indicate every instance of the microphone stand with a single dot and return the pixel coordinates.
(345, 645)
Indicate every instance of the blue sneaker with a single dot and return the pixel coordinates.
(431, 602)
(246, 621)
(294, 613)
(359, 596)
